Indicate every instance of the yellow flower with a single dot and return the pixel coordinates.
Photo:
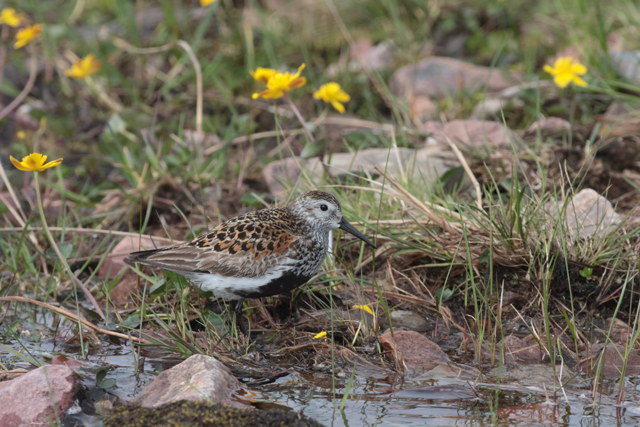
(34, 162)
(11, 18)
(322, 334)
(280, 83)
(333, 93)
(263, 74)
(84, 67)
(27, 34)
(20, 134)
(204, 3)
(565, 71)
(365, 308)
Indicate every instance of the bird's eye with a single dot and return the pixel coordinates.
(324, 207)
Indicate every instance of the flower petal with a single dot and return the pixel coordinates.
(578, 68)
(19, 165)
(365, 308)
(50, 164)
(299, 82)
(579, 82)
(338, 106)
(549, 70)
(562, 80)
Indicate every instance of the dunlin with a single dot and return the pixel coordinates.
(259, 254)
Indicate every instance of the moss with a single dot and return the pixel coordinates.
(192, 413)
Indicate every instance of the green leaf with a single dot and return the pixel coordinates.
(101, 382)
(252, 200)
(116, 124)
(443, 294)
(159, 288)
(315, 148)
(66, 249)
(586, 273)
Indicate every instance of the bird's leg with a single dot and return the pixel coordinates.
(239, 320)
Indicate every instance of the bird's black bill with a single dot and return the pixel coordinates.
(344, 225)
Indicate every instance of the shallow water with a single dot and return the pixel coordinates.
(390, 401)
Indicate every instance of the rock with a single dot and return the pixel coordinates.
(204, 414)
(617, 109)
(38, 397)
(531, 375)
(518, 350)
(436, 77)
(587, 214)
(424, 165)
(620, 332)
(549, 126)
(417, 351)
(421, 108)
(379, 57)
(122, 293)
(475, 133)
(408, 320)
(115, 261)
(538, 413)
(628, 64)
(488, 107)
(197, 378)
(613, 361)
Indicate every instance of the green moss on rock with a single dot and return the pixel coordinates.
(204, 414)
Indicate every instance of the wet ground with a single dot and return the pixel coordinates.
(373, 397)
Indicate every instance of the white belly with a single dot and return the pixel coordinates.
(230, 287)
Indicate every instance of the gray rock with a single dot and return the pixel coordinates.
(424, 165)
(436, 77)
(378, 57)
(197, 378)
(588, 214)
(38, 397)
(549, 125)
(474, 133)
(628, 64)
(408, 320)
(613, 361)
(532, 375)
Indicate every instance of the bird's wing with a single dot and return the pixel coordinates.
(241, 247)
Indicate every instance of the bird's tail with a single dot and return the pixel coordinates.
(140, 256)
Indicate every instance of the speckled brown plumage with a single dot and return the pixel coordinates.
(262, 253)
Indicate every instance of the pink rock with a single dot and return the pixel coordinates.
(549, 125)
(613, 362)
(38, 397)
(115, 262)
(589, 213)
(417, 351)
(197, 378)
(430, 163)
(518, 350)
(436, 77)
(475, 133)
